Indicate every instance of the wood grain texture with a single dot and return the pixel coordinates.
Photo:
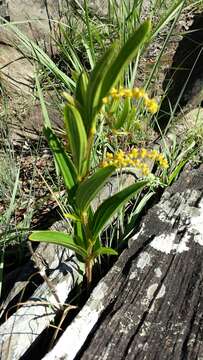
(150, 305)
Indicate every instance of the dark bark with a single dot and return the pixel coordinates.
(150, 305)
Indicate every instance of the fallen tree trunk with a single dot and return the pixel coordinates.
(150, 304)
(32, 317)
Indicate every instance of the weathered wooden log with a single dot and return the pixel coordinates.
(47, 254)
(33, 316)
(150, 304)
(24, 327)
(48, 257)
(27, 323)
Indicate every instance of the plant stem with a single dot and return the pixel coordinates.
(88, 271)
(88, 261)
(87, 20)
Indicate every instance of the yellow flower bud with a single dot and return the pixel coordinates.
(105, 100)
(115, 96)
(153, 154)
(145, 170)
(113, 92)
(104, 164)
(109, 155)
(134, 153)
(164, 164)
(141, 93)
(128, 93)
(152, 106)
(122, 92)
(143, 153)
(136, 92)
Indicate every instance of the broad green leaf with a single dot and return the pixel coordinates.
(58, 238)
(125, 55)
(81, 88)
(97, 244)
(95, 84)
(76, 135)
(80, 238)
(66, 166)
(89, 188)
(110, 206)
(105, 251)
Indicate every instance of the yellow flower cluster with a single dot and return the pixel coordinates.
(134, 158)
(136, 93)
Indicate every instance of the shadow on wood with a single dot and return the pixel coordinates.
(150, 304)
(184, 80)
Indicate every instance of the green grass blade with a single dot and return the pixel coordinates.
(58, 238)
(89, 31)
(130, 227)
(105, 251)
(95, 84)
(66, 166)
(110, 206)
(89, 188)
(47, 122)
(124, 114)
(8, 214)
(167, 17)
(173, 176)
(40, 55)
(91, 60)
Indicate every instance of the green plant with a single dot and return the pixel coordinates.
(179, 153)
(4, 226)
(85, 36)
(80, 116)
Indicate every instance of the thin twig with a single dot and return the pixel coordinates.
(58, 328)
(45, 277)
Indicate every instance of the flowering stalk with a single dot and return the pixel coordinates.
(134, 158)
(135, 93)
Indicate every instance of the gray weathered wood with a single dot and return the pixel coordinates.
(30, 319)
(28, 322)
(149, 306)
(48, 257)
